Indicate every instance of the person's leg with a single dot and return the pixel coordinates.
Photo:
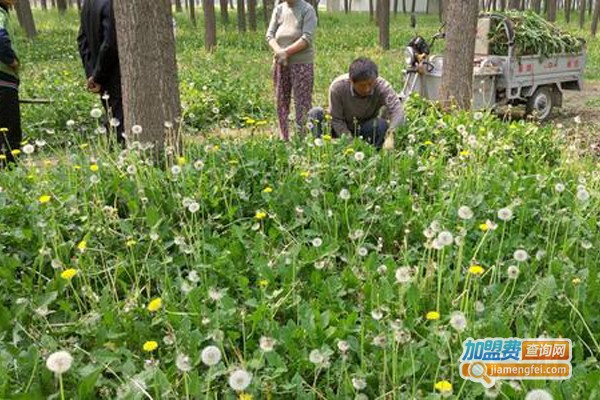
(315, 118)
(283, 92)
(303, 77)
(115, 102)
(373, 131)
(10, 125)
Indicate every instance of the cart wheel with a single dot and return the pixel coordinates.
(540, 104)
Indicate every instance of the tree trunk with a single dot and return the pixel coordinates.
(384, 24)
(241, 15)
(23, 9)
(396, 7)
(44, 4)
(595, 18)
(404, 6)
(192, 8)
(210, 25)
(371, 10)
(442, 10)
(346, 8)
(266, 12)
(178, 6)
(252, 15)
(551, 10)
(377, 9)
(224, 4)
(514, 4)
(568, 11)
(536, 5)
(149, 70)
(457, 78)
(62, 6)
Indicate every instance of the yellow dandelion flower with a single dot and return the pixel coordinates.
(263, 283)
(150, 346)
(83, 146)
(155, 305)
(428, 143)
(15, 152)
(94, 167)
(245, 396)
(260, 215)
(576, 281)
(327, 138)
(3, 129)
(81, 246)
(484, 227)
(443, 386)
(305, 174)
(69, 274)
(2, 157)
(349, 151)
(476, 269)
(181, 161)
(130, 243)
(268, 189)
(44, 199)
(76, 166)
(250, 121)
(465, 153)
(261, 122)
(432, 316)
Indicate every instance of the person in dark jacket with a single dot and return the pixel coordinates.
(97, 42)
(10, 113)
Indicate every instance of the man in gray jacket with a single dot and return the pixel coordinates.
(355, 102)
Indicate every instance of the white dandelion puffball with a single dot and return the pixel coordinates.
(521, 255)
(403, 275)
(198, 165)
(538, 394)
(583, 195)
(319, 142)
(343, 346)
(505, 214)
(377, 314)
(194, 207)
(513, 272)
(317, 242)
(359, 156)
(175, 169)
(458, 321)
(345, 194)
(267, 344)
(316, 357)
(239, 380)
(479, 307)
(114, 122)
(136, 129)
(70, 123)
(59, 362)
(28, 149)
(96, 113)
(465, 213)
(183, 363)
(359, 383)
(559, 187)
(211, 356)
(445, 238)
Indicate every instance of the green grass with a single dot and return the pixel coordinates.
(233, 262)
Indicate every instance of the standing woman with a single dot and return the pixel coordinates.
(10, 113)
(290, 36)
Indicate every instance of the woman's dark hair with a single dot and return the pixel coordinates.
(363, 69)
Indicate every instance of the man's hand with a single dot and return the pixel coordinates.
(388, 144)
(92, 86)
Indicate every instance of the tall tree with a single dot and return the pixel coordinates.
(61, 5)
(457, 77)
(149, 70)
(223, 5)
(384, 24)
(581, 13)
(44, 4)
(178, 7)
(595, 18)
(241, 15)
(536, 5)
(252, 15)
(210, 25)
(551, 10)
(514, 4)
(266, 12)
(371, 10)
(23, 9)
(568, 5)
(192, 8)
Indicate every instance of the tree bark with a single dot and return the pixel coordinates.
(396, 7)
(514, 4)
(178, 7)
(568, 11)
(210, 25)
(224, 4)
(149, 70)
(551, 10)
(252, 15)
(44, 4)
(384, 24)
(595, 18)
(371, 10)
(192, 8)
(581, 13)
(266, 12)
(62, 6)
(536, 5)
(457, 76)
(241, 15)
(23, 9)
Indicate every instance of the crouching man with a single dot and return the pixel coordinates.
(356, 100)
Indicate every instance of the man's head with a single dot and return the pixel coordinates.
(363, 74)
(8, 3)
